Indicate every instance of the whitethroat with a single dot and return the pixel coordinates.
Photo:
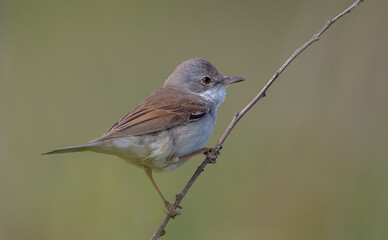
(170, 126)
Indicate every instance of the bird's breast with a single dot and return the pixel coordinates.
(193, 135)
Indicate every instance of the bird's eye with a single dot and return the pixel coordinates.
(206, 80)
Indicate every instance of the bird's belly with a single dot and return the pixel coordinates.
(192, 136)
(150, 150)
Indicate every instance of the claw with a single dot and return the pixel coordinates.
(212, 154)
(171, 210)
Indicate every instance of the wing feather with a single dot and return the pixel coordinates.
(163, 109)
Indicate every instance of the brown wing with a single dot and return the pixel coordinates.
(163, 109)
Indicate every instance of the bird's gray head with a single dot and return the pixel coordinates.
(198, 76)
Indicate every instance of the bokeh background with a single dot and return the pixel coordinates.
(310, 161)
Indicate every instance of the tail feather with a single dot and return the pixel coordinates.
(78, 148)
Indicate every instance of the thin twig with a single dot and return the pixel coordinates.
(161, 229)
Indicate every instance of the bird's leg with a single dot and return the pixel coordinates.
(210, 153)
(170, 207)
(200, 151)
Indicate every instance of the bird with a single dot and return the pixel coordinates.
(170, 126)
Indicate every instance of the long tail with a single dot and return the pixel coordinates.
(78, 148)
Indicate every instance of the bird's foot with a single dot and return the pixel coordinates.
(171, 211)
(212, 154)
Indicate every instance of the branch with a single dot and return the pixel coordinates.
(210, 158)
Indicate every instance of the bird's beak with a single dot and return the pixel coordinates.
(230, 80)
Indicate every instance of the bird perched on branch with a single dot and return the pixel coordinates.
(168, 127)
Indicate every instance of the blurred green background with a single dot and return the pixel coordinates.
(310, 161)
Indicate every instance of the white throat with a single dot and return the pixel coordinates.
(214, 95)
